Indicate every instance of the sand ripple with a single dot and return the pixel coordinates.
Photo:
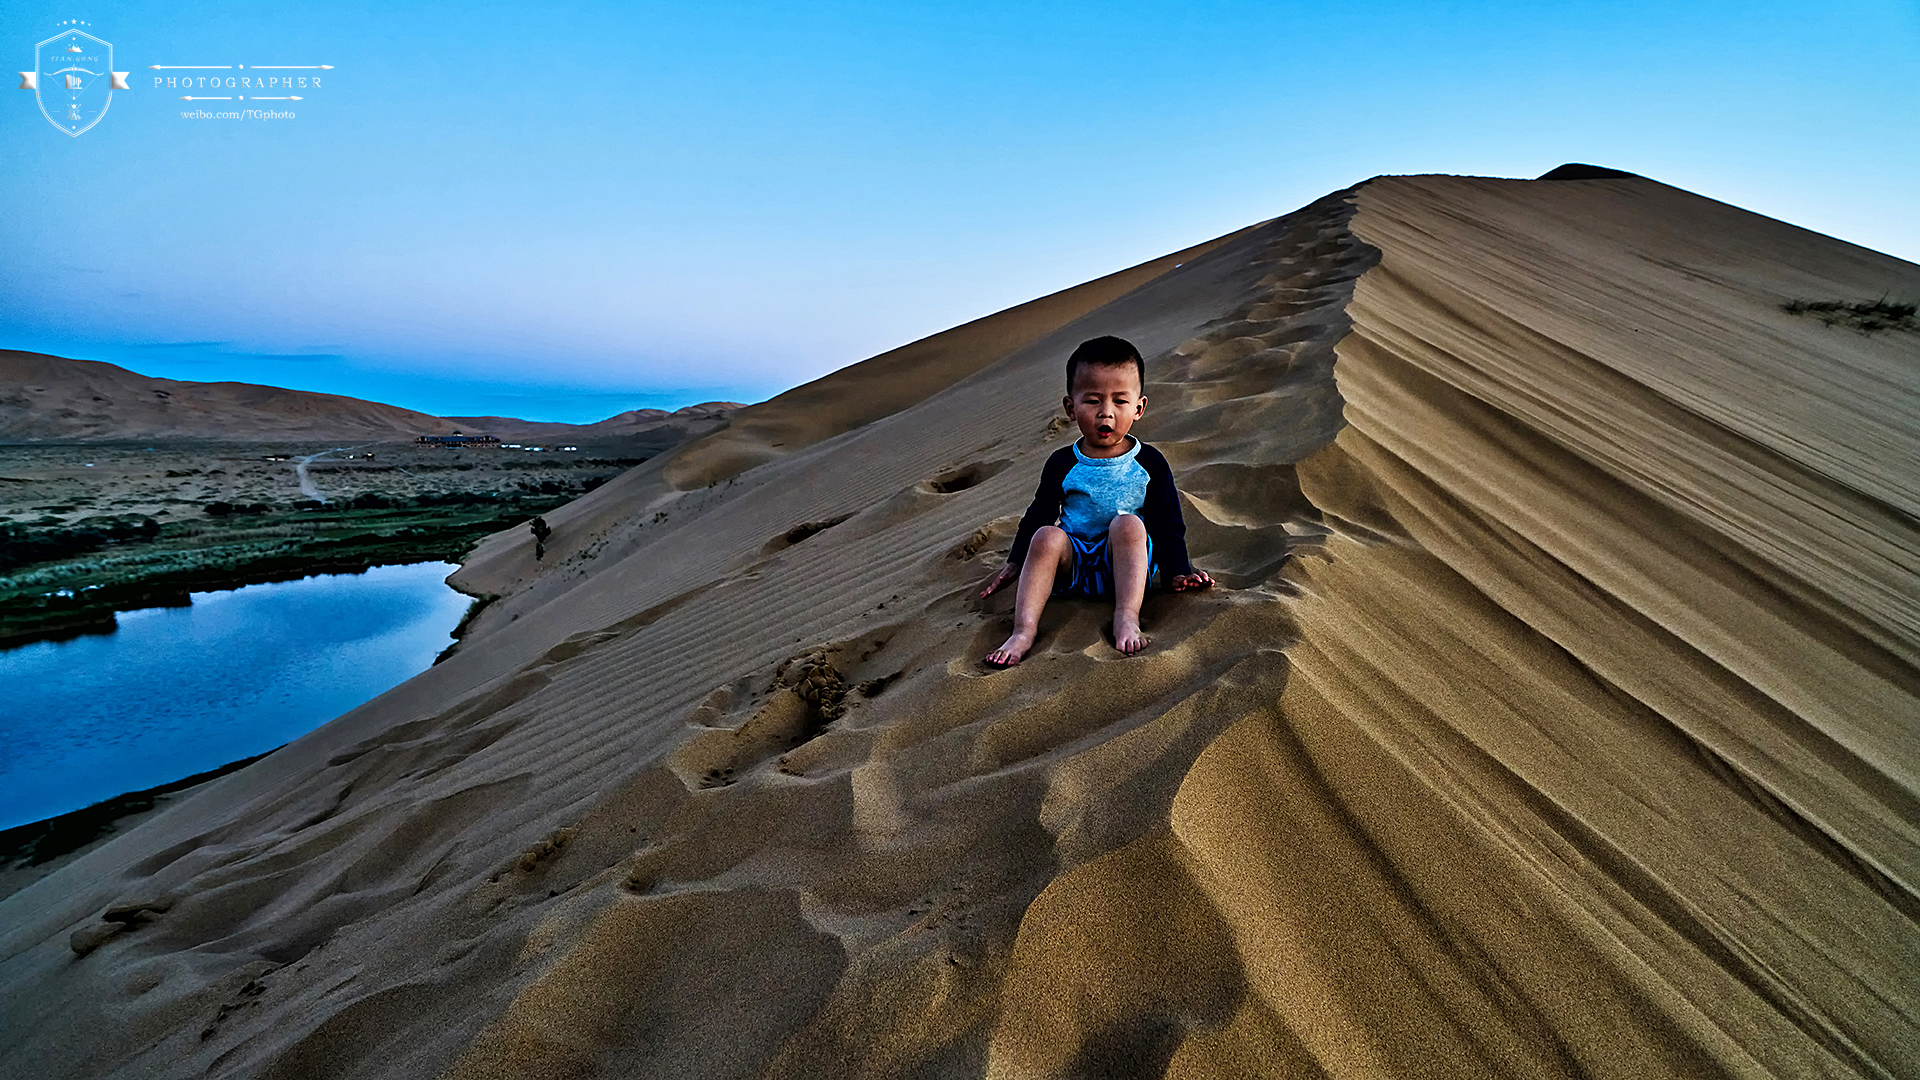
(1555, 715)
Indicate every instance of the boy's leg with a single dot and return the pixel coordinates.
(1127, 540)
(1047, 555)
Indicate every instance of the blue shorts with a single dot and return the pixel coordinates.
(1091, 575)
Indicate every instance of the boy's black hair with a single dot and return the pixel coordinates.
(1106, 351)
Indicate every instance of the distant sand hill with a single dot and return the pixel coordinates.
(1558, 713)
(52, 399)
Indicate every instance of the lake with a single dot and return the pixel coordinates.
(177, 691)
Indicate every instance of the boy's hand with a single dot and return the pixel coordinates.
(1006, 574)
(1199, 579)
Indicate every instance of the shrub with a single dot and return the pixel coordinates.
(1868, 317)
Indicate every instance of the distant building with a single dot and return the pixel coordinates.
(457, 439)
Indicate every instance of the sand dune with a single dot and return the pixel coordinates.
(52, 399)
(1555, 715)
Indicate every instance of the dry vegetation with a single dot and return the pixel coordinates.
(1866, 316)
(93, 529)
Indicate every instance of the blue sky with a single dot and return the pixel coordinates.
(567, 212)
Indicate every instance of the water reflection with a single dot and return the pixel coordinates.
(176, 691)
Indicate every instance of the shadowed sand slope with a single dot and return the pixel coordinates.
(1555, 715)
(1609, 668)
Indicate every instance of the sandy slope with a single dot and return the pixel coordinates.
(1555, 715)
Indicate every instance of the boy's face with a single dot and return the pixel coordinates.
(1105, 402)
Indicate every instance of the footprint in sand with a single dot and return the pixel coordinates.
(806, 530)
(115, 920)
(963, 477)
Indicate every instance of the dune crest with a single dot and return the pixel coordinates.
(1555, 715)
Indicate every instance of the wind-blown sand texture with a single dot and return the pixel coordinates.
(1556, 714)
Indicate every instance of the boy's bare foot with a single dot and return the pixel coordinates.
(1127, 636)
(1199, 579)
(1012, 652)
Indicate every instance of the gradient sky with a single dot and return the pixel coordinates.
(567, 212)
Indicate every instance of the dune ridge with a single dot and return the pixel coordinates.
(1554, 717)
(1614, 630)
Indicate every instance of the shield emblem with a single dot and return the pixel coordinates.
(74, 80)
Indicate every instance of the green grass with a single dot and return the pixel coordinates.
(79, 591)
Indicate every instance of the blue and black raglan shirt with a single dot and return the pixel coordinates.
(1084, 494)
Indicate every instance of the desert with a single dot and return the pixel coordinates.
(1557, 711)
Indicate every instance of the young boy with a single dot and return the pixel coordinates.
(1119, 524)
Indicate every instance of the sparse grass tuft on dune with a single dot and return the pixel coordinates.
(1865, 316)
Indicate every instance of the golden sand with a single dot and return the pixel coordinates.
(1556, 714)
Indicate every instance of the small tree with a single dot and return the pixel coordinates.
(540, 533)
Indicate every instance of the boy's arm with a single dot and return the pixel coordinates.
(1161, 514)
(1045, 508)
